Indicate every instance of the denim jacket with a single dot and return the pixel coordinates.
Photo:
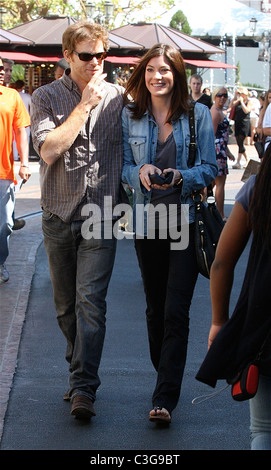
(139, 147)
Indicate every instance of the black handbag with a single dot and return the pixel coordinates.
(208, 221)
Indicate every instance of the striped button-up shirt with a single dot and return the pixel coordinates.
(90, 171)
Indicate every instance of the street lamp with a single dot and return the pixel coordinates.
(253, 24)
(95, 14)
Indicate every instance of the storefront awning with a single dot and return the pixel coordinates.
(122, 60)
(27, 58)
(209, 64)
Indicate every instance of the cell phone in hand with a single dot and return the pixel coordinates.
(164, 178)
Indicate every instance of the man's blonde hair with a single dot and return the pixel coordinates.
(81, 31)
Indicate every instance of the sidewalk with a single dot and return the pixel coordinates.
(21, 265)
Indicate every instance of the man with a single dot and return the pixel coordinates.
(76, 128)
(60, 68)
(13, 119)
(8, 64)
(196, 93)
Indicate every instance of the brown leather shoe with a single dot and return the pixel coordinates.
(82, 407)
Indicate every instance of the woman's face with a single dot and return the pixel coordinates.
(221, 98)
(159, 77)
(269, 97)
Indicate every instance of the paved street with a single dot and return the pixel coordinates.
(34, 373)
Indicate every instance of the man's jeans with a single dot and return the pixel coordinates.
(260, 416)
(7, 201)
(80, 271)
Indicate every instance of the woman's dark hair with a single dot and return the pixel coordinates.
(260, 206)
(137, 90)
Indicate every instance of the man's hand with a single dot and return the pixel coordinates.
(24, 173)
(94, 91)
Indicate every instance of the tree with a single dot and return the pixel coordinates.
(22, 11)
(180, 22)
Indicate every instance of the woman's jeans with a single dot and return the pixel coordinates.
(169, 280)
(7, 202)
(260, 416)
(80, 270)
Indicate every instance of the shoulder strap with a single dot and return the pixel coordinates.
(193, 145)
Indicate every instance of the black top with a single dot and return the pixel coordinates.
(242, 337)
(205, 99)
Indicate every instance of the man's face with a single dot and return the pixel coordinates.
(8, 71)
(82, 71)
(2, 72)
(195, 85)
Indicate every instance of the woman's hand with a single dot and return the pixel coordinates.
(214, 330)
(177, 176)
(144, 173)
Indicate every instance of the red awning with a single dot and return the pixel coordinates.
(122, 60)
(209, 64)
(29, 58)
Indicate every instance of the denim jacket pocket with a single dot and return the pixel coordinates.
(138, 146)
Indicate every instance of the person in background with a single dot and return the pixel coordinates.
(234, 342)
(155, 142)
(207, 91)
(76, 129)
(221, 130)
(14, 120)
(196, 92)
(266, 102)
(267, 126)
(242, 127)
(8, 65)
(60, 68)
(19, 85)
(254, 114)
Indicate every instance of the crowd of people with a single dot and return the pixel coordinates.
(94, 139)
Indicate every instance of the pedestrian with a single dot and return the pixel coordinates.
(242, 126)
(267, 126)
(14, 120)
(221, 130)
(254, 114)
(196, 91)
(19, 85)
(8, 66)
(60, 68)
(156, 140)
(76, 129)
(234, 342)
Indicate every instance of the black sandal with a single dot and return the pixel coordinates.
(160, 418)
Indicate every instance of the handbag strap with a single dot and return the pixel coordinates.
(193, 144)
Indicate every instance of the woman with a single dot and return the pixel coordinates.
(242, 126)
(266, 102)
(156, 141)
(221, 130)
(241, 337)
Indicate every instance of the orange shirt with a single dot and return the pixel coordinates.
(13, 115)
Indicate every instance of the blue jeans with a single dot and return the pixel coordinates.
(169, 280)
(260, 416)
(80, 272)
(7, 202)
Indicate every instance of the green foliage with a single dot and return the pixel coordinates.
(179, 21)
(22, 11)
(17, 73)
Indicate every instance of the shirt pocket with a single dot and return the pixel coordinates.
(138, 146)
